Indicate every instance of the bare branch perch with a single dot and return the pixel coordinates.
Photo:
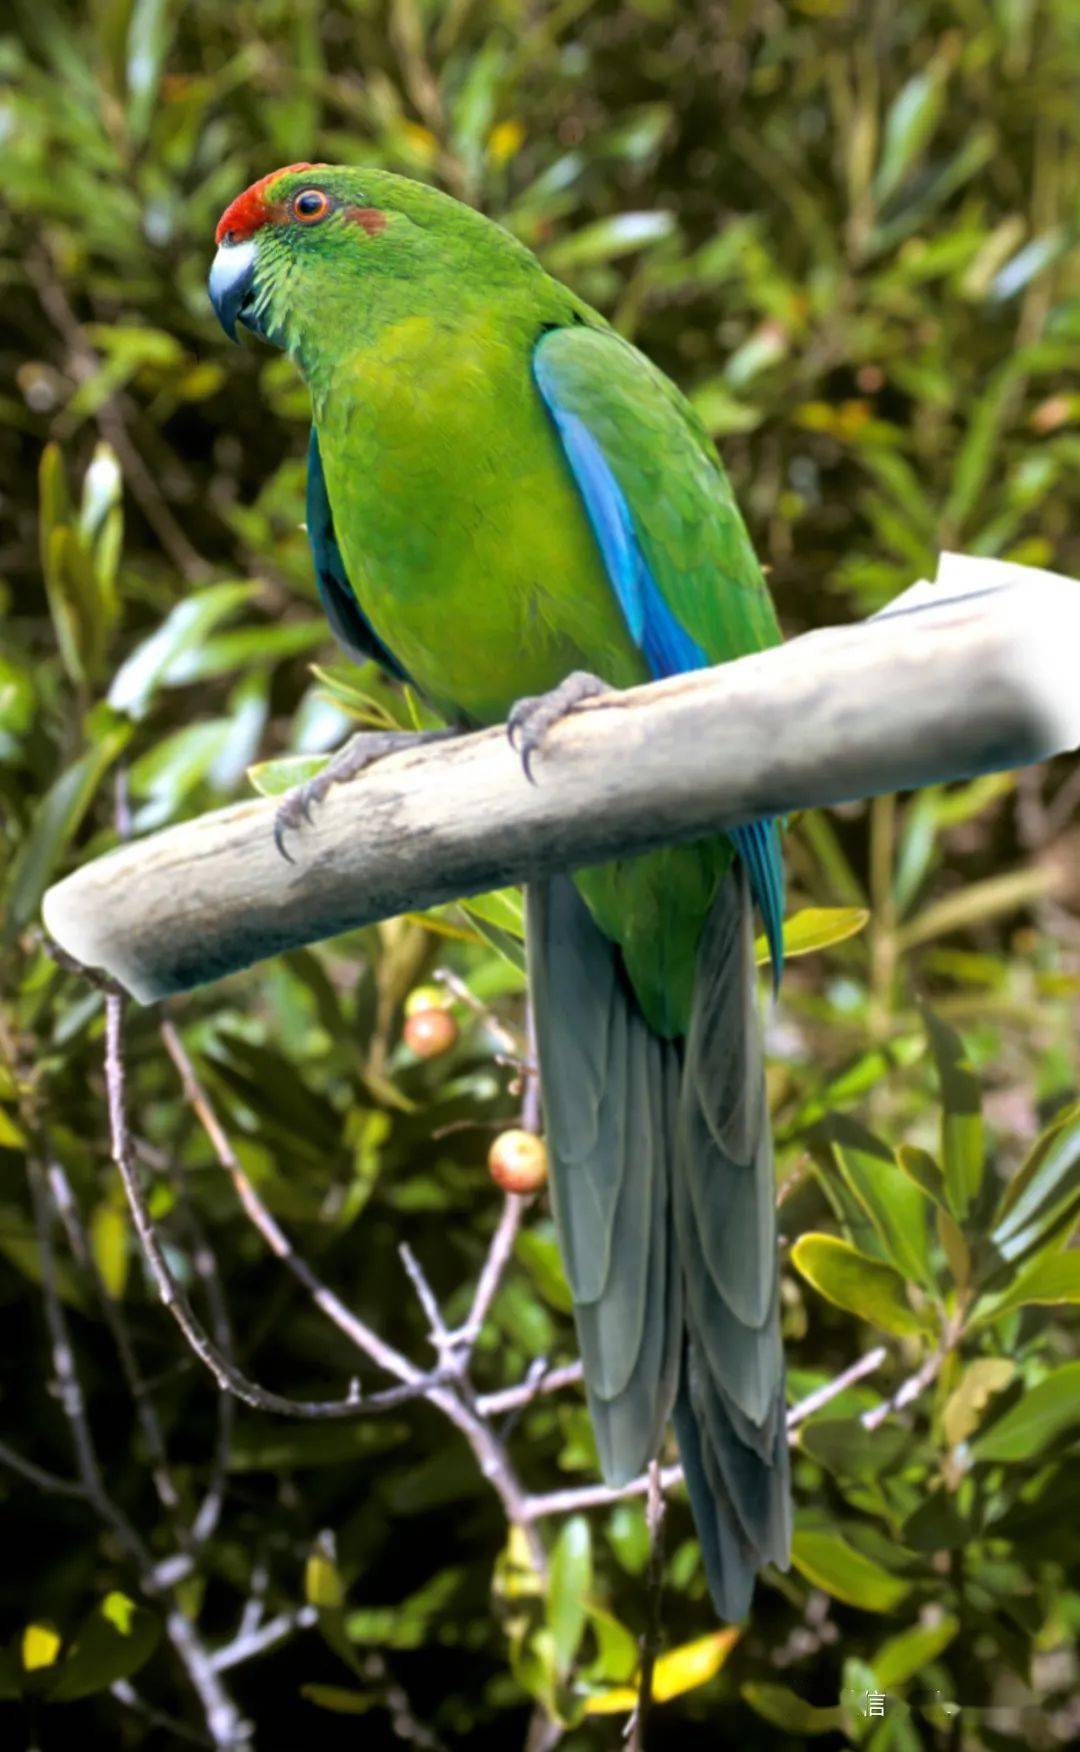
(970, 676)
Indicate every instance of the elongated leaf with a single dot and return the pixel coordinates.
(570, 1582)
(854, 1281)
(967, 1402)
(1043, 1414)
(1051, 1277)
(1044, 1191)
(961, 1126)
(814, 928)
(272, 778)
(186, 625)
(785, 1709)
(825, 1558)
(113, 1642)
(909, 127)
(895, 1205)
(58, 818)
(678, 1671)
(904, 1656)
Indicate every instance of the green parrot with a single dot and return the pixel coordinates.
(510, 506)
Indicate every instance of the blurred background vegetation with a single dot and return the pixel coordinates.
(851, 232)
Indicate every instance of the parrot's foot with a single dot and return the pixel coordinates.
(529, 721)
(351, 758)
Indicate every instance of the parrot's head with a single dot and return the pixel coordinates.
(316, 253)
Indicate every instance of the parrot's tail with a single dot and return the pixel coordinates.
(664, 1197)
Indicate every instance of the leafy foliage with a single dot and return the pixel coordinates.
(851, 234)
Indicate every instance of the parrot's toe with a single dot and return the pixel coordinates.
(360, 751)
(530, 719)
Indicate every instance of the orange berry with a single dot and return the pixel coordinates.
(430, 1033)
(518, 1161)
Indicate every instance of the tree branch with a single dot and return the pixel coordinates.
(969, 677)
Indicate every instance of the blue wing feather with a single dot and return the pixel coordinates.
(667, 647)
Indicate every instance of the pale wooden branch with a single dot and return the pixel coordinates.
(972, 675)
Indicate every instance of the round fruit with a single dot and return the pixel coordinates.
(518, 1161)
(429, 997)
(430, 1032)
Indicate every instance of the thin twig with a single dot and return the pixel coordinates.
(149, 1423)
(221, 1367)
(598, 1496)
(650, 1641)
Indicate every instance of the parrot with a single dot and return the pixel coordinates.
(510, 507)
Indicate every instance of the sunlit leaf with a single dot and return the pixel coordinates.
(826, 1559)
(854, 1281)
(1041, 1415)
(676, 1672)
(967, 1402)
(814, 928)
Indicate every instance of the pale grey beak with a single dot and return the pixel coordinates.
(232, 284)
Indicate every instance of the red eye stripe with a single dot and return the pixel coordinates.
(370, 219)
(250, 210)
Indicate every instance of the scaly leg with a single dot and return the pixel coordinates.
(529, 721)
(352, 757)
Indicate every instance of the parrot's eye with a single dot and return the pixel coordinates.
(311, 205)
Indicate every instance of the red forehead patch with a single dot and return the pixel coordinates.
(252, 209)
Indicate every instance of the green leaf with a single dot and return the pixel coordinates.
(1044, 1412)
(113, 1642)
(969, 1399)
(56, 821)
(961, 1126)
(617, 1649)
(845, 1448)
(570, 1581)
(340, 1700)
(826, 1559)
(272, 778)
(896, 1207)
(137, 679)
(862, 1285)
(1051, 1277)
(905, 1656)
(910, 123)
(814, 928)
(538, 1251)
(785, 1709)
(1043, 1192)
(607, 239)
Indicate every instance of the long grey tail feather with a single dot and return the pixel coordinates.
(730, 1413)
(611, 1093)
(664, 1197)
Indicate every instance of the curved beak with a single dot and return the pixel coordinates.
(232, 283)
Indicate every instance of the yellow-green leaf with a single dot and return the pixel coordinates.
(827, 1560)
(109, 1244)
(813, 928)
(41, 1645)
(903, 1656)
(272, 778)
(967, 1402)
(323, 1586)
(784, 1708)
(683, 1669)
(1048, 1278)
(862, 1285)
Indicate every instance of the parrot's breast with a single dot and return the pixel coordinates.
(462, 533)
